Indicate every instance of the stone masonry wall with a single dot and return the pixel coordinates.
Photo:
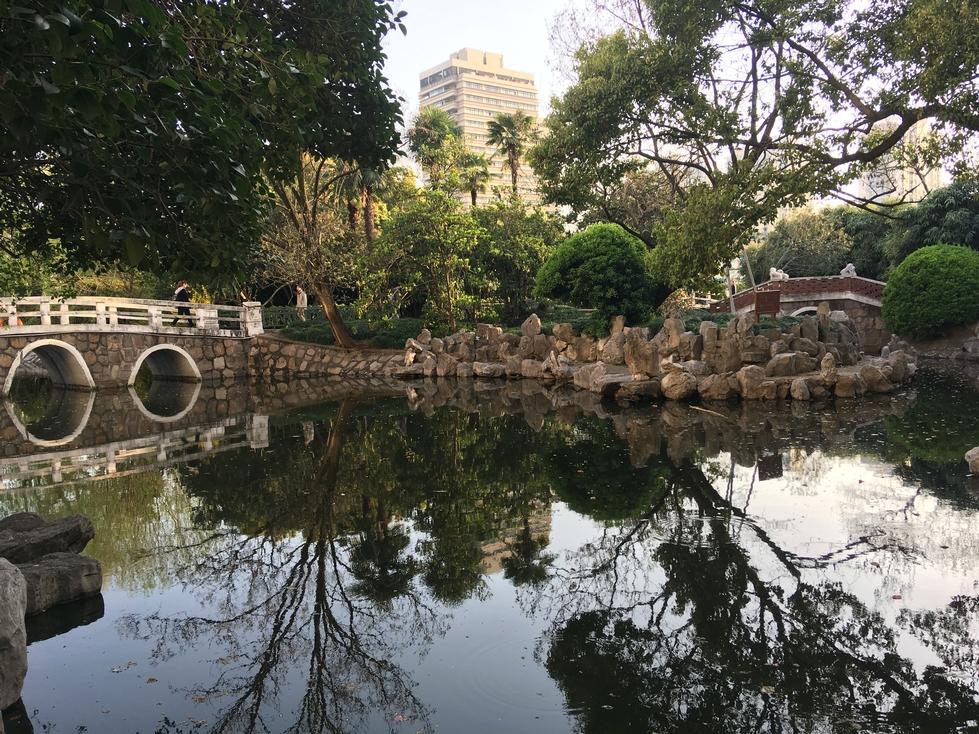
(271, 357)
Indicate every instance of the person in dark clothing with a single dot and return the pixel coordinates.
(182, 295)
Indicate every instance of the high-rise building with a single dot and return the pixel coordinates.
(473, 86)
(894, 178)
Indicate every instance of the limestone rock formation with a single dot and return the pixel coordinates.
(972, 458)
(678, 384)
(531, 326)
(718, 387)
(59, 578)
(13, 634)
(26, 536)
(755, 385)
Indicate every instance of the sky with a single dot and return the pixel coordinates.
(516, 28)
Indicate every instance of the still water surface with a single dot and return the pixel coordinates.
(508, 559)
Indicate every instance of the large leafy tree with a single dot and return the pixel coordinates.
(435, 139)
(149, 130)
(510, 132)
(764, 103)
(805, 244)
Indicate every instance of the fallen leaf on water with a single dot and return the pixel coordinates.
(768, 689)
(151, 680)
(400, 717)
(896, 596)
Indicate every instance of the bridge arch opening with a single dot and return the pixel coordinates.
(805, 311)
(166, 362)
(64, 365)
(166, 402)
(58, 422)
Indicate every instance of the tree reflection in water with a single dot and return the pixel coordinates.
(342, 561)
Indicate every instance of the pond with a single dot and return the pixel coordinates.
(507, 558)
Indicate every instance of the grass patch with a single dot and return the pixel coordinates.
(387, 334)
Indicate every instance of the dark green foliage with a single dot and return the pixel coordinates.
(934, 288)
(868, 233)
(513, 243)
(603, 268)
(949, 215)
(159, 125)
(386, 334)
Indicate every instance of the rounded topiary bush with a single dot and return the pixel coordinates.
(932, 289)
(604, 268)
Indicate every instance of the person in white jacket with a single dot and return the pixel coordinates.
(302, 302)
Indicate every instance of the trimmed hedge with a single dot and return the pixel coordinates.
(934, 288)
(603, 268)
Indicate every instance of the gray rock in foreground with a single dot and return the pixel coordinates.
(972, 457)
(59, 578)
(26, 536)
(13, 635)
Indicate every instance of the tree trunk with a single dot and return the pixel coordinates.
(472, 193)
(352, 215)
(369, 228)
(341, 334)
(747, 262)
(513, 173)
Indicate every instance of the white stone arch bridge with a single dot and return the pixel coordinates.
(89, 343)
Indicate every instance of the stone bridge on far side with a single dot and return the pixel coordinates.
(89, 343)
(860, 298)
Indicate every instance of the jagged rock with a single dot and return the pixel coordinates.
(744, 324)
(532, 369)
(59, 578)
(23, 539)
(641, 356)
(709, 333)
(804, 344)
(678, 385)
(446, 365)
(725, 357)
(13, 634)
(513, 365)
(564, 332)
(437, 345)
(691, 346)
(809, 329)
(424, 336)
(800, 389)
(429, 364)
(673, 331)
(779, 346)
(638, 390)
(611, 350)
(849, 385)
(898, 361)
(695, 367)
(586, 349)
(412, 370)
(416, 346)
(755, 385)
(489, 369)
(598, 378)
(827, 369)
(790, 363)
(489, 352)
(464, 370)
(971, 457)
(718, 387)
(617, 325)
(543, 344)
(531, 326)
(874, 379)
(409, 359)
(489, 334)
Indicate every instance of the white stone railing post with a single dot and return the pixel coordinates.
(113, 315)
(11, 308)
(44, 306)
(100, 313)
(154, 317)
(207, 318)
(63, 315)
(257, 428)
(251, 318)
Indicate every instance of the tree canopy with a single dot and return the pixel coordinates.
(762, 103)
(147, 130)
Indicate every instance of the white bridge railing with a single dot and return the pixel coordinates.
(40, 314)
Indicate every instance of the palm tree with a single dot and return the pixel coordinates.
(510, 133)
(431, 140)
(475, 173)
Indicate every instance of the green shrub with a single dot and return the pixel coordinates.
(386, 334)
(932, 289)
(603, 268)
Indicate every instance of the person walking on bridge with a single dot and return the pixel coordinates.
(302, 303)
(182, 295)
